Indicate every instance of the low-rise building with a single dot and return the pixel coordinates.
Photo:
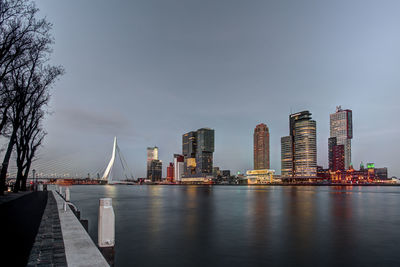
(264, 176)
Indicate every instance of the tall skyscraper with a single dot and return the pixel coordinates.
(189, 147)
(154, 166)
(301, 146)
(341, 127)
(197, 149)
(205, 150)
(154, 171)
(152, 153)
(286, 156)
(261, 147)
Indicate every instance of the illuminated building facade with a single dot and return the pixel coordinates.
(364, 175)
(338, 155)
(264, 176)
(170, 172)
(153, 164)
(189, 147)
(301, 145)
(152, 153)
(197, 150)
(261, 147)
(341, 127)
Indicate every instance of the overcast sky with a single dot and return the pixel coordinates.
(149, 71)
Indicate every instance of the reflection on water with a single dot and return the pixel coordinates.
(249, 225)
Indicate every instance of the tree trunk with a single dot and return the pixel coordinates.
(23, 183)
(25, 176)
(3, 121)
(6, 160)
(17, 186)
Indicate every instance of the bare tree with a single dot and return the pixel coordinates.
(30, 133)
(24, 79)
(18, 30)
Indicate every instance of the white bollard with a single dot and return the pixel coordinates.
(106, 231)
(60, 190)
(67, 194)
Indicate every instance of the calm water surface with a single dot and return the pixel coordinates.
(249, 225)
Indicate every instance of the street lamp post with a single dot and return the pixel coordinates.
(35, 182)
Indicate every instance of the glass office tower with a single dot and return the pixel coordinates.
(341, 127)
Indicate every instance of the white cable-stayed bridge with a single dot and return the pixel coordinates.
(66, 167)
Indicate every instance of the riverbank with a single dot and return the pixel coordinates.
(270, 184)
(38, 231)
(80, 249)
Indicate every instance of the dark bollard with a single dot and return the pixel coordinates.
(108, 254)
(85, 224)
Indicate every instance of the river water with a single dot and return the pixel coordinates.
(249, 225)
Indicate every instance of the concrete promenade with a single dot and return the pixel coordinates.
(36, 231)
(79, 247)
(48, 249)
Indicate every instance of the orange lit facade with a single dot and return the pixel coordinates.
(170, 172)
(354, 176)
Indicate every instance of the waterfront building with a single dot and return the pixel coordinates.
(381, 173)
(264, 176)
(341, 127)
(338, 154)
(198, 149)
(154, 172)
(170, 172)
(324, 174)
(301, 146)
(226, 173)
(331, 143)
(189, 148)
(152, 154)
(286, 157)
(178, 167)
(216, 172)
(205, 150)
(204, 179)
(261, 147)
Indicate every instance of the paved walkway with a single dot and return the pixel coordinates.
(48, 249)
(79, 247)
(19, 224)
(8, 196)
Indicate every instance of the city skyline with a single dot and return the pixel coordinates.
(200, 133)
(225, 66)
